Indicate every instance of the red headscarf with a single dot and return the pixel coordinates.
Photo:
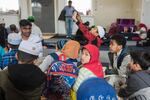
(94, 64)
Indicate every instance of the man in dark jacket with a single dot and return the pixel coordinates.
(66, 15)
(139, 78)
(21, 82)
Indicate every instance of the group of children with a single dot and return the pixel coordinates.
(24, 78)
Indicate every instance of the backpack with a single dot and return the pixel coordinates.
(61, 76)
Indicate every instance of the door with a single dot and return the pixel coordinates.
(43, 10)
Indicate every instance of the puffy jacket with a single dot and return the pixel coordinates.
(136, 82)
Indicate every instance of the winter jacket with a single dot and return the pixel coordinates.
(62, 15)
(89, 36)
(142, 94)
(9, 92)
(136, 82)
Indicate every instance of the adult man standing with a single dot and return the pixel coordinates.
(66, 15)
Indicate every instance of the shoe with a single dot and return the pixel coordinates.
(67, 36)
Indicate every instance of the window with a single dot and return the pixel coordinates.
(43, 10)
(7, 6)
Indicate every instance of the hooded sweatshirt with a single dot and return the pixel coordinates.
(91, 69)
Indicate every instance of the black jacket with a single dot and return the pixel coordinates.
(9, 92)
(3, 36)
(62, 15)
(135, 82)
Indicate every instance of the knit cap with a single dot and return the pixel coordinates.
(60, 44)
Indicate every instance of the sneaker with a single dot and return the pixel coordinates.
(67, 36)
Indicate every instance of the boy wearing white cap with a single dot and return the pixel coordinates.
(9, 58)
(28, 52)
(94, 35)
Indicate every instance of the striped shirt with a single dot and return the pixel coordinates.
(84, 74)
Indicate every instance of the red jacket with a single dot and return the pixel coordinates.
(94, 64)
(88, 35)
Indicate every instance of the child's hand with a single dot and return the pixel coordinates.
(74, 17)
(78, 17)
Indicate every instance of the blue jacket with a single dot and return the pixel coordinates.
(8, 59)
(2, 52)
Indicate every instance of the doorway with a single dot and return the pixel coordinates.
(43, 10)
